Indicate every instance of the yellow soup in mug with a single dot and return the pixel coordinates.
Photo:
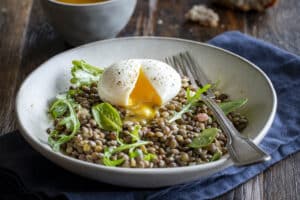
(81, 1)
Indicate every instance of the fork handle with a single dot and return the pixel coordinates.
(242, 150)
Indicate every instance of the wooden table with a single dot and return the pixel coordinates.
(27, 39)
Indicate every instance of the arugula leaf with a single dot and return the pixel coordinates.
(188, 94)
(133, 153)
(84, 73)
(52, 142)
(178, 115)
(107, 161)
(135, 138)
(63, 110)
(230, 106)
(58, 109)
(129, 146)
(119, 140)
(192, 100)
(216, 156)
(206, 138)
(62, 138)
(112, 163)
(137, 142)
(135, 133)
(107, 117)
(198, 93)
(149, 156)
(72, 92)
(109, 152)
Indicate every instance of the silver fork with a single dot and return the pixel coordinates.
(242, 150)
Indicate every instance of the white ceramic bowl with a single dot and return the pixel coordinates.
(238, 77)
(83, 23)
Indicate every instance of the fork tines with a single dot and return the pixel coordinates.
(187, 66)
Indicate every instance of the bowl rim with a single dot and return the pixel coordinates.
(82, 4)
(224, 161)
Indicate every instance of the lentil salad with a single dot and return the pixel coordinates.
(183, 132)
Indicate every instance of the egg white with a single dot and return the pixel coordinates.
(118, 80)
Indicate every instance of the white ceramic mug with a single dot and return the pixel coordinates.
(83, 23)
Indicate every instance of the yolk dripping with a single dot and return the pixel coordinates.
(143, 99)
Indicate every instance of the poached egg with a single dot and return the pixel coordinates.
(139, 85)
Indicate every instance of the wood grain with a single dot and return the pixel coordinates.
(14, 16)
(39, 43)
(42, 42)
(27, 39)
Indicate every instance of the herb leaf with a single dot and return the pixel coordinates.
(129, 146)
(133, 153)
(192, 100)
(206, 138)
(107, 161)
(135, 138)
(177, 115)
(112, 163)
(63, 109)
(216, 156)
(149, 157)
(52, 142)
(84, 73)
(188, 94)
(197, 96)
(230, 106)
(146, 156)
(109, 152)
(137, 142)
(73, 92)
(58, 109)
(107, 117)
(135, 133)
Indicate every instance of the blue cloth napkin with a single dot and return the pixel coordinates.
(24, 174)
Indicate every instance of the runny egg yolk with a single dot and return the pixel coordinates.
(143, 99)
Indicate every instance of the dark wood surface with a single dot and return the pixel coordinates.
(27, 39)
